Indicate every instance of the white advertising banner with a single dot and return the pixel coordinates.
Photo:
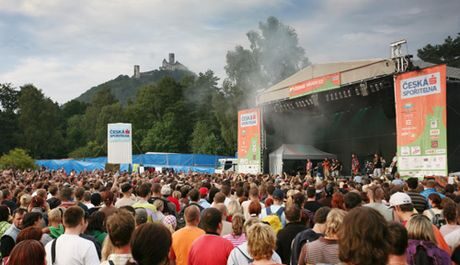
(119, 143)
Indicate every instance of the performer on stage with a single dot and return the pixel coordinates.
(309, 168)
(354, 165)
(326, 168)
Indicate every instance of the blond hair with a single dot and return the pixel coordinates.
(55, 215)
(234, 207)
(334, 221)
(419, 227)
(261, 241)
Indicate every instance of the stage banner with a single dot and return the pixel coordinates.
(249, 141)
(421, 122)
(119, 143)
(315, 85)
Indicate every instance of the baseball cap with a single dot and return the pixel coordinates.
(203, 191)
(399, 198)
(279, 194)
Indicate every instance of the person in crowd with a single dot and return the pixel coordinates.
(254, 210)
(55, 222)
(8, 240)
(159, 192)
(140, 216)
(150, 244)
(337, 201)
(4, 216)
(363, 237)
(70, 248)
(127, 198)
(277, 207)
(159, 205)
(287, 234)
(311, 204)
(419, 201)
(376, 194)
(311, 234)
(108, 208)
(352, 200)
(449, 212)
(210, 249)
(66, 197)
(30, 252)
(96, 226)
(434, 201)
(96, 200)
(174, 199)
(404, 210)
(183, 238)
(170, 222)
(194, 196)
(24, 201)
(143, 193)
(422, 247)
(429, 188)
(120, 227)
(203, 191)
(7, 197)
(226, 225)
(53, 201)
(35, 219)
(261, 244)
(237, 237)
(398, 241)
(233, 208)
(253, 197)
(30, 232)
(325, 249)
(240, 254)
(87, 199)
(79, 192)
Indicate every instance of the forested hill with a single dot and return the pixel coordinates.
(124, 87)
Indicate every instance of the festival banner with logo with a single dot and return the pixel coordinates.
(315, 85)
(119, 143)
(249, 141)
(421, 122)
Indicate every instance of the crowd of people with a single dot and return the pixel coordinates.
(102, 217)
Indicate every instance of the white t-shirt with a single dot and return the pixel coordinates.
(73, 250)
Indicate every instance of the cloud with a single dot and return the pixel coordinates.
(66, 47)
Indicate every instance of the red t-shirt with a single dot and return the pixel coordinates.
(175, 201)
(210, 250)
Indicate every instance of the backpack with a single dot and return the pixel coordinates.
(437, 219)
(181, 217)
(274, 219)
(301, 238)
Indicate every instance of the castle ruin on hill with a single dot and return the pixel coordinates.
(170, 65)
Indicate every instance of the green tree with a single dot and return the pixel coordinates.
(166, 136)
(445, 53)
(17, 159)
(204, 140)
(8, 117)
(40, 124)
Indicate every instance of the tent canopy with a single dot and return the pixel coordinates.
(294, 152)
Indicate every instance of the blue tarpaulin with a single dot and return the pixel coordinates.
(179, 162)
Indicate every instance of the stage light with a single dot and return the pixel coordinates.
(357, 91)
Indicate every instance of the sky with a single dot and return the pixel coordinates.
(66, 47)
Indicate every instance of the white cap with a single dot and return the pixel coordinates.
(399, 198)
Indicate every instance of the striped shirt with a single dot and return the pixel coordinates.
(236, 240)
(419, 202)
(320, 251)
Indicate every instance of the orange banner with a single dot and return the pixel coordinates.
(421, 122)
(249, 141)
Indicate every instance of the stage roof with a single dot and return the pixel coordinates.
(350, 72)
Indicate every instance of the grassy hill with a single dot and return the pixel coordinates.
(125, 87)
